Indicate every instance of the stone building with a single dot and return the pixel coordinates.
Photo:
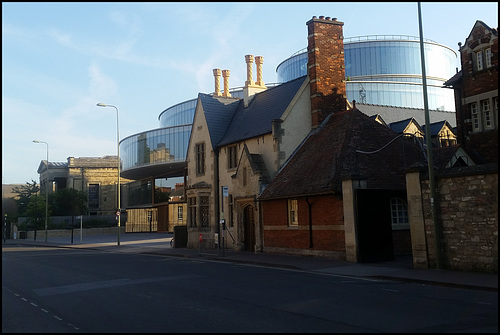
(96, 176)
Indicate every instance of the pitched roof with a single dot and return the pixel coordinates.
(400, 126)
(256, 119)
(218, 113)
(394, 113)
(436, 127)
(346, 143)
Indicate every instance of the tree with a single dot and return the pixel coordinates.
(25, 192)
(35, 212)
(68, 201)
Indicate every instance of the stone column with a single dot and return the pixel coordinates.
(217, 74)
(258, 61)
(225, 74)
(249, 61)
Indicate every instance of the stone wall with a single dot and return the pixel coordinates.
(467, 206)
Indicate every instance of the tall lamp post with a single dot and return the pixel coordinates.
(118, 151)
(46, 192)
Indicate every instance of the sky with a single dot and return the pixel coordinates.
(60, 59)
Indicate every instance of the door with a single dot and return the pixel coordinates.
(374, 226)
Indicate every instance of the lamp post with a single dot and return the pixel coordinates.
(46, 192)
(118, 152)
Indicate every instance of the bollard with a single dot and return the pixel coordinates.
(199, 243)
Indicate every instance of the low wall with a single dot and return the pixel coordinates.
(40, 234)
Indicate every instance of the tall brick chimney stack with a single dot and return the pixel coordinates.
(326, 67)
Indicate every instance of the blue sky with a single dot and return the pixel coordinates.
(60, 59)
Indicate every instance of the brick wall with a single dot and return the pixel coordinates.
(328, 237)
(326, 67)
(468, 213)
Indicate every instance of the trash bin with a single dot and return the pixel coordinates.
(180, 236)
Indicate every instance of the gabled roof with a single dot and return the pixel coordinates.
(257, 164)
(52, 165)
(484, 25)
(379, 119)
(256, 119)
(447, 156)
(218, 113)
(395, 113)
(400, 126)
(436, 127)
(330, 152)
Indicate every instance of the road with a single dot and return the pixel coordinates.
(76, 290)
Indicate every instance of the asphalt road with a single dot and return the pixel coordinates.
(76, 290)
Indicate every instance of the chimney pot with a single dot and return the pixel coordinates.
(259, 60)
(217, 73)
(225, 74)
(249, 60)
(321, 17)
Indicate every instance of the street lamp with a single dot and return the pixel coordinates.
(46, 192)
(118, 151)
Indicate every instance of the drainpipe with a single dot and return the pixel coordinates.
(216, 197)
(309, 205)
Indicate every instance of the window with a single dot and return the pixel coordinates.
(200, 158)
(293, 219)
(244, 176)
(399, 214)
(231, 157)
(192, 211)
(180, 213)
(93, 196)
(487, 54)
(204, 211)
(486, 111)
(475, 116)
(479, 60)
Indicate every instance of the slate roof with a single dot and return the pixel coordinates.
(329, 153)
(266, 106)
(400, 126)
(218, 113)
(443, 155)
(394, 114)
(436, 127)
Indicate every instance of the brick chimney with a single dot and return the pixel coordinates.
(326, 67)
(252, 87)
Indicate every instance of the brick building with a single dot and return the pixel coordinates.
(476, 93)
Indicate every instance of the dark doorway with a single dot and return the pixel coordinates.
(374, 227)
(162, 226)
(249, 228)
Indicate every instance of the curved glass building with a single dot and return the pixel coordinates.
(386, 70)
(380, 70)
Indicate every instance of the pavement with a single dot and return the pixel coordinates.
(400, 269)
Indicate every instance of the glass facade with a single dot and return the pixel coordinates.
(386, 70)
(179, 114)
(163, 145)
